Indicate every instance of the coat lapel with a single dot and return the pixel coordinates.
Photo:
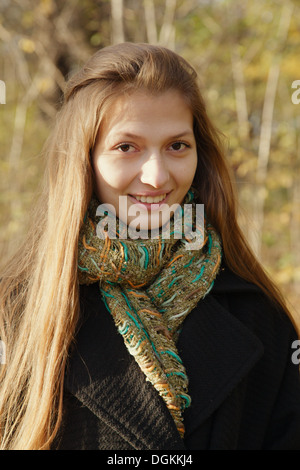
(216, 348)
(218, 351)
(106, 379)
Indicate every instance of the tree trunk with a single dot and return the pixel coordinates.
(150, 21)
(266, 131)
(295, 215)
(167, 31)
(240, 94)
(117, 9)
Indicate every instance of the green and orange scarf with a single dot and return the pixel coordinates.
(150, 286)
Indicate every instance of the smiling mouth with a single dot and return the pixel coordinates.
(151, 199)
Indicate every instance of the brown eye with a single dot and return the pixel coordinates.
(179, 146)
(176, 146)
(124, 147)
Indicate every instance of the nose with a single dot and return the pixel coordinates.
(154, 171)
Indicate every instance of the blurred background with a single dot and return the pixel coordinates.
(247, 56)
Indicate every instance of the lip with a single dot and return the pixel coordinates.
(150, 205)
(151, 193)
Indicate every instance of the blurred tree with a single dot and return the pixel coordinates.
(117, 12)
(247, 56)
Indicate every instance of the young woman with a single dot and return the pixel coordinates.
(147, 341)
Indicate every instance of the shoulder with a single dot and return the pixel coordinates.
(250, 305)
(228, 281)
(241, 294)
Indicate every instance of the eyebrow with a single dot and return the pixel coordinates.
(135, 136)
(182, 134)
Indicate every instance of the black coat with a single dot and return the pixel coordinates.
(237, 350)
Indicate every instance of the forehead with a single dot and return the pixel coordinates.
(144, 110)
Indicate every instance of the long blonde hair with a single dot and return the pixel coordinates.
(39, 291)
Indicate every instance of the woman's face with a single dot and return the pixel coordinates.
(145, 151)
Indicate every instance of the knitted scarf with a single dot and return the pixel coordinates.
(149, 286)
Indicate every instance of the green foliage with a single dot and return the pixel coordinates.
(233, 45)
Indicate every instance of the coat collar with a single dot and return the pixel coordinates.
(217, 349)
(105, 378)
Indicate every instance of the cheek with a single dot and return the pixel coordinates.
(185, 173)
(110, 174)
